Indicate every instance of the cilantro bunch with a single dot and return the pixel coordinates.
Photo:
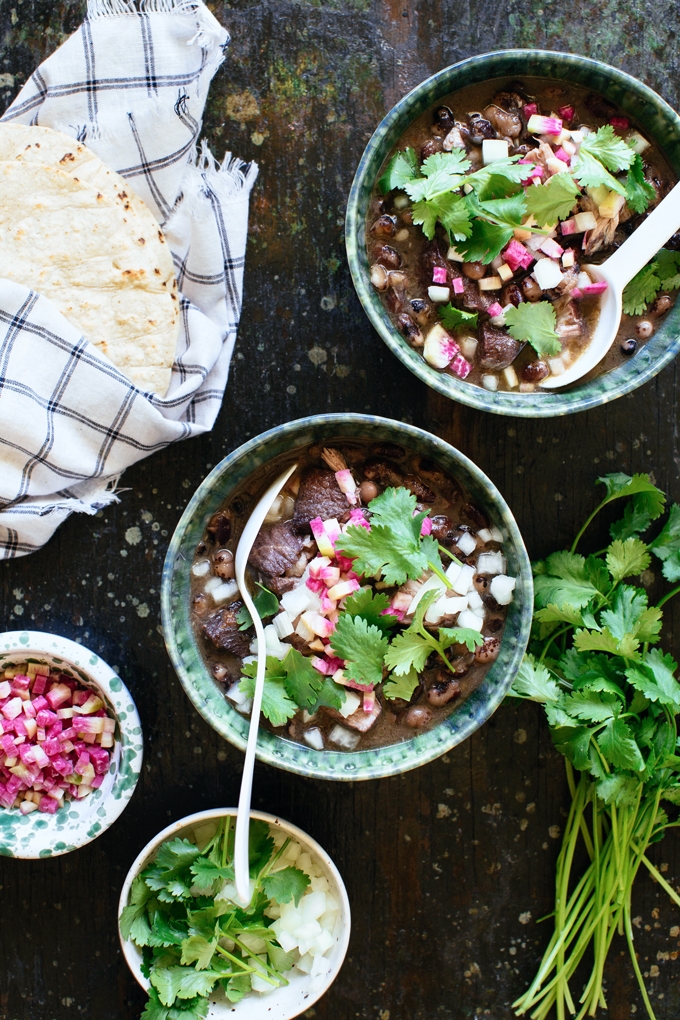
(181, 925)
(611, 699)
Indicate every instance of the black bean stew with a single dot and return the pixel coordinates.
(330, 568)
(558, 178)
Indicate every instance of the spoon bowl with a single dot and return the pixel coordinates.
(618, 270)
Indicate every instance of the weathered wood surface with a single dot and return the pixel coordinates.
(443, 865)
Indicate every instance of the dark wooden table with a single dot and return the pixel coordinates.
(447, 867)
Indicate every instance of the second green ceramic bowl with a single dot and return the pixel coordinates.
(208, 696)
(659, 122)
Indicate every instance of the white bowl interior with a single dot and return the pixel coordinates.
(283, 1003)
(79, 821)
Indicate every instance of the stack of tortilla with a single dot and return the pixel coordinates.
(75, 232)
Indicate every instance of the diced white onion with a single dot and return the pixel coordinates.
(468, 346)
(501, 588)
(474, 599)
(497, 534)
(211, 584)
(547, 274)
(431, 583)
(201, 568)
(510, 376)
(556, 366)
(439, 295)
(490, 382)
(491, 563)
(344, 738)
(299, 600)
(637, 142)
(494, 149)
(283, 624)
(485, 535)
(453, 256)
(467, 543)
(274, 645)
(352, 702)
(314, 738)
(225, 590)
(461, 578)
(469, 619)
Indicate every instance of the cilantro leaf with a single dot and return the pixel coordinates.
(559, 614)
(510, 168)
(401, 685)
(639, 192)
(278, 958)
(618, 789)
(302, 682)
(237, 987)
(362, 646)
(139, 895)
(286, 885)
(181, 983)
(277, 706)
(619, 747)
(153, 1009)
(624, 559)
(455, 318)
(199, 951)
(591, 706)
(609, 148)
(589, 172)
(619, 485)
(655, 678)
(266, 604)
(605, 641)
(206, 873)
(667, 264)
(574, 743)
(472, 639)
(485, 242)
(642, 289)
(534, 323)
(552, 201)
(635, 520)
(629, 615)
(666, 545)
(369, 605)
(407, 652)
(564, 581)
(399, 171)
(505, 212)
(451, 211)
(442, 172)
(533, 681)
(330, 694)
(393, 545)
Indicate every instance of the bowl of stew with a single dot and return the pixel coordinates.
(477, 207)
(393, 583)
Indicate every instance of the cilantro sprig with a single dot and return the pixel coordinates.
(662, 273)
(534, 323)
(178, 917)
(611, 699)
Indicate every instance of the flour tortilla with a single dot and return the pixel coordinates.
(74, 230)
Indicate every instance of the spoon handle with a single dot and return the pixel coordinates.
(645, 242)
(250, 533)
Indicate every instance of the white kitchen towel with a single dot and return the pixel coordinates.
(131, 84)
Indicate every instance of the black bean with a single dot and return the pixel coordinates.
(629, 346)
(388, 256)
(443, 119)
(511, 295)
(429, 148)
(384, 226)
(661, 305)
(644, 329)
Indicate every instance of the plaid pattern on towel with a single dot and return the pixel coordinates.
(131, 84)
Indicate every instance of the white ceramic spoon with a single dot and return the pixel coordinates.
(616, 272)
(245, 544)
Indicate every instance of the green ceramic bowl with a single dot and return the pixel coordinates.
(660, 123)
(207, 695)
(79, 821)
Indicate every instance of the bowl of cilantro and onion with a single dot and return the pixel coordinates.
(394, 587)
(477, 207)
(201, 953)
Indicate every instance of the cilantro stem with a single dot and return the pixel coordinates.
(260, 963)
(272, 861)
(442, 548)
(225, 839)
(669, 595)
(246, 968)
(659, 877)
(589, 520)
(440, 574)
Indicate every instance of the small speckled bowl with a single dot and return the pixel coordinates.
(208, 696)
(79, 821)
(290, 1000)
(659, 122)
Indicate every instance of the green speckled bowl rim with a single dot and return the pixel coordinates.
(78, 822)
(660, 122)
(208, 697)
